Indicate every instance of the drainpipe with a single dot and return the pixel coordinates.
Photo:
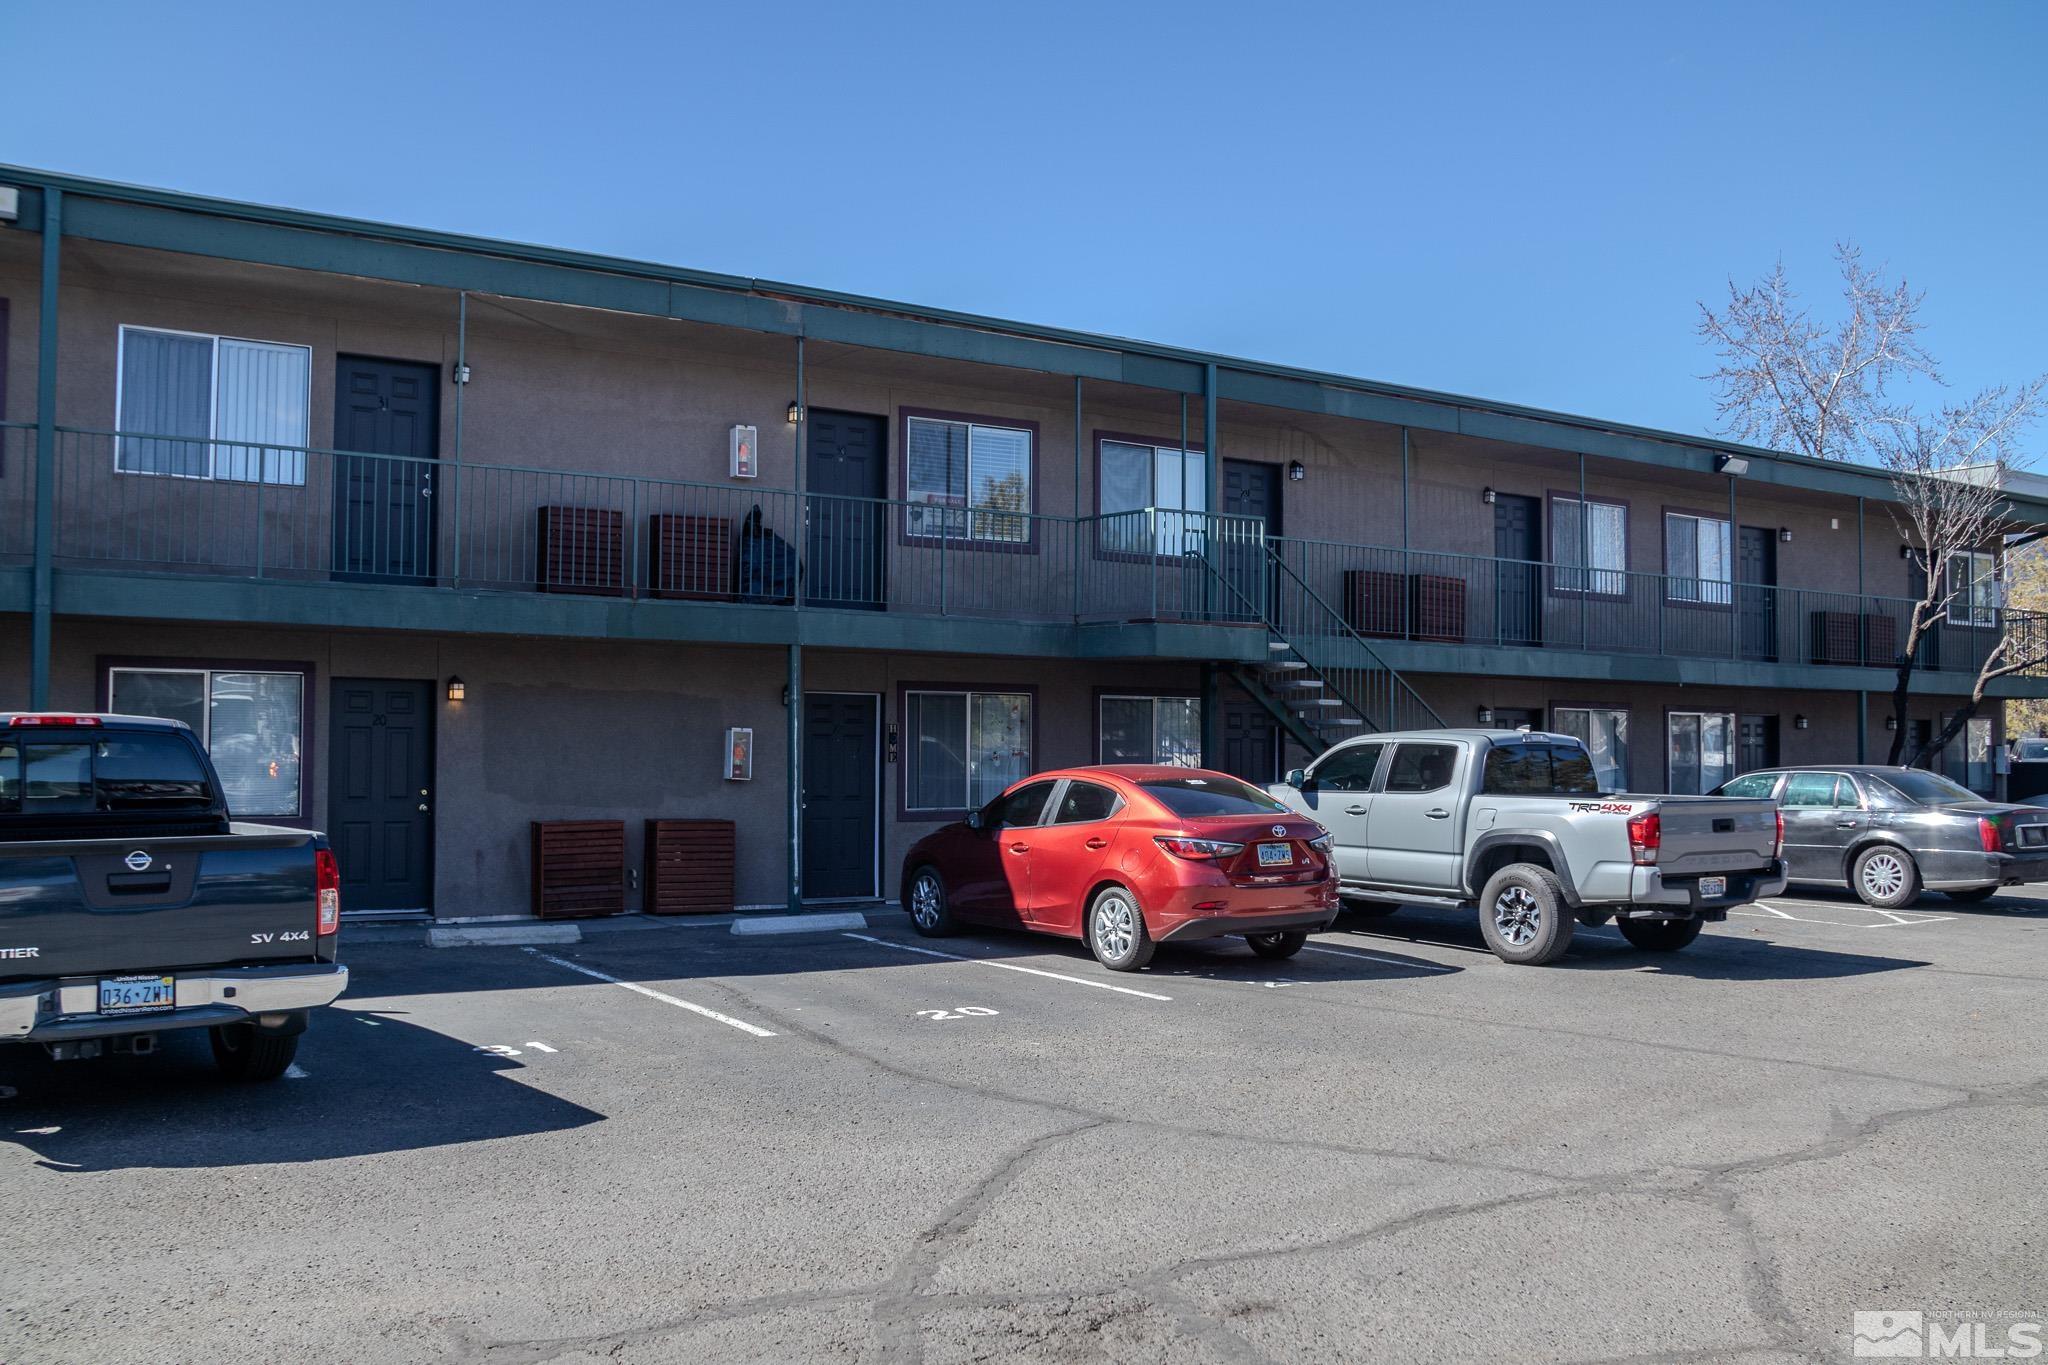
(42, 596)
(795, 708)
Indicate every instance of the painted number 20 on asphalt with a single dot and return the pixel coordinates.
(958, 1012)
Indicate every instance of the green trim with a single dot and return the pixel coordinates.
(167, 220)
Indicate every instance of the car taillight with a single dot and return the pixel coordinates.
(1197, 850)
(1323, 843)
(53, 720)
(1988, 835)
(1645, 837)
(327, 878)
(1778, 839)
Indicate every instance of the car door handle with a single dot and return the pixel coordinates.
(1020, 848)
(1098, 843)
(1437, 814)
(1354, 810)
(1845, 824)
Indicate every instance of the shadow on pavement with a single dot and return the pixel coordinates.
(374, 1083)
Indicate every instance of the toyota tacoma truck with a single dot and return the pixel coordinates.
(1516, 824)
(132, 905)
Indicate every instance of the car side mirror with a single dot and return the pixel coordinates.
(1297, 778)
(973, 820)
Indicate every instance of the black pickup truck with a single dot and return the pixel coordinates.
(131, 905)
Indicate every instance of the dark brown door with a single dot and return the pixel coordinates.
(1251, 488)
(840, 803)
(845, 477)
(1756, 597)
(387, 433)
(380, 792)
(1756, 743)
(1518, 548)
(1251, 742)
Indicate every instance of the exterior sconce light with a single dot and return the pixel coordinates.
(1891, 722)
(456, 691)
(1296, 471)
(795, 413)
(1799, 722)
(1734, 466)
(1784, 535)
(1486, 717)
(1486, 495)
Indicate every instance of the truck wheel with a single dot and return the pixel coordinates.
(243, 1053)
(930, 914)
(1524, 917)
(1660, 935)
(1277, 945)
(1116, 931)
(1886, 877)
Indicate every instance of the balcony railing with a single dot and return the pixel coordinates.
(1390, 593)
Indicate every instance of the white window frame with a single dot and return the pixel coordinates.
(910, 782)
(206, 719)
(1156, 699)
(971, 517)
(1983, 569)
(213, 438)
(1698, 589)
(1588, 579)
(1557, 714)
(1734, 742)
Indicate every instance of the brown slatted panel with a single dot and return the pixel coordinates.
(1372, 601)
(1438, 610)
(579, 868)
(690, 867)
(581, 549)
(691, 556)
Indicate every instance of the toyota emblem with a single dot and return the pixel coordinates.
(138, 861)
(1279, 831)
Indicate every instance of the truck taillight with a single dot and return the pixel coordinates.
(1645, 837)
(1778, 840)
(327, 878)
(53, 720)
(1988, 835)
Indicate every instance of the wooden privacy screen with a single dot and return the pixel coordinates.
(579, 868)
(581, 549)
(689, 867)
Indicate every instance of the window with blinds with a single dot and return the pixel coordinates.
(196, 406)
(967, 480)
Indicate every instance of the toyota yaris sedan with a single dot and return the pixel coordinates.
(1128, 857)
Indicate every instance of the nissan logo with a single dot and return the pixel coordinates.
(138, 861)
(1279, 831)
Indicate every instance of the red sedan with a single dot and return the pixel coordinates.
(1129, 857)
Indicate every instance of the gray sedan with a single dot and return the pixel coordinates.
(1887, 833)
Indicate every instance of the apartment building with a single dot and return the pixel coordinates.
(432, 536)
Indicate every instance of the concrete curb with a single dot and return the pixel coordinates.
(798, 924)
(499, 935)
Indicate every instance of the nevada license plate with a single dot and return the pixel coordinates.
(1713, 886)
(1276, 855)
(132, 994)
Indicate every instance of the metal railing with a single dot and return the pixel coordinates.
(1385, 592)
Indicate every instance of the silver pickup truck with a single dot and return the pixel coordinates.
(1515, 823)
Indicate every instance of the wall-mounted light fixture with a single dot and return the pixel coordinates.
(1486, 716)
(1486, 495)
(456, 691)
(1784, 535)
(1296, 471)
(1799, 722)
(1734, 466)
(1891, 722)
(785, 694)
(795, 413)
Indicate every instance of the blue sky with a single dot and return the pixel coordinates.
(1521, 202)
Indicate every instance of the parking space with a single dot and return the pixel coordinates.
(863, 1144)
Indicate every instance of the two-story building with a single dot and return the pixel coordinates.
(433, 536)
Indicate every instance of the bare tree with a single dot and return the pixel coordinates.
(1789, 381)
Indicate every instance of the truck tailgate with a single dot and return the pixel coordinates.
(1704, 834)
(85, 906)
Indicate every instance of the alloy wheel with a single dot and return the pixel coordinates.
(1515, 914)
(1884, 876)
(1116, 927)
(924, 899)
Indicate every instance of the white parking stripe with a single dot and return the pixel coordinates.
(1893, 922)
(742, 1025)
(1375, 957)
(1009, 967)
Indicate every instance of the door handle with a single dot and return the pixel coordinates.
(1354, 810)
(1098, 843)
(423, 805)
(1020, 848)
(1437, 814)
(1845, 824)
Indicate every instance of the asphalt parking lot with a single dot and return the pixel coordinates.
(678, 1144)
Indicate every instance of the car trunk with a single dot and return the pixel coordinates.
(2021, 829)
(1715, 834)
(157, 903)
(1303, 864)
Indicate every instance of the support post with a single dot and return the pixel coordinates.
(1079, 513)
(1214, 446)
(1862, 726)
(461, 383)
(795, 777)
(801, 530)
(42, 596)
(1862, 603)
(1407, 558)
(1586, 571)
(1211, 749)
(1734, 596)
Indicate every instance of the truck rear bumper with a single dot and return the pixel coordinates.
(58, 1010)
(1652, 891)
